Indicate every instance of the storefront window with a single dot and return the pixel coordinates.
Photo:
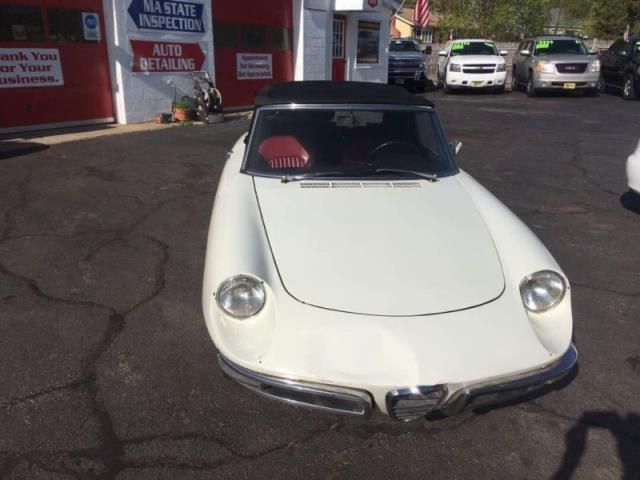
(252, 36)
(225, 35)
(65, 25)
(368, 43)
(279, 38)
(20, 24)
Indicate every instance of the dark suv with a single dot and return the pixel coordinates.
(620, 65)
(406, 63)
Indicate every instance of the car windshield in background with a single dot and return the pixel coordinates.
(348, 142)
(473, 48)
(402, 47)
(560, 47)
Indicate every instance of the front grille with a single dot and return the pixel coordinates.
(478, 68)
(413, 403)
(571, 67)
(360, 185)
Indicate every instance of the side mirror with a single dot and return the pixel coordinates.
(525, 53)
(442, 53)
(456, 147)
(504, 53)
(427, 50)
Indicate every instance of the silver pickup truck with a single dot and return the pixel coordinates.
(555, 63)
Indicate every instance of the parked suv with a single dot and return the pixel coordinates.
(555, 63)
(473, 63)
(621, 67)
(406, 63)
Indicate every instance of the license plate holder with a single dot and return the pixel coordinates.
(477, 83)
(569, 86)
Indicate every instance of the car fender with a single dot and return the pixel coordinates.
(237, 245)
(521, 254)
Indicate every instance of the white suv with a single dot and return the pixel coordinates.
(472, 63)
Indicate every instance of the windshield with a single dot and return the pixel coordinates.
(402, 47)
(347, 141)
(473, 48)
(560, 47)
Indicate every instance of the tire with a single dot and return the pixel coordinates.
(531, 91)
(515, 86)
(499, 90)
(602, 85)
(446, 87)
(591, 92)
(629, 88)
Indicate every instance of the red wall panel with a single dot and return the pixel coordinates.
(86, 93)
(239, 13)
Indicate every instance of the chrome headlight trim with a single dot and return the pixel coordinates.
(525, 281)
(235, 281)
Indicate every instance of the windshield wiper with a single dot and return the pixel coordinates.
(432, 177)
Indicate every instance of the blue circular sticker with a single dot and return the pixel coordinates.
(91, 21)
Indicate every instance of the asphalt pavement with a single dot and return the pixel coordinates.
(108, 371)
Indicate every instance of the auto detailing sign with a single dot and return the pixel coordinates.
(254, 66)
(30, 67)
(166, 57)
(167, 15)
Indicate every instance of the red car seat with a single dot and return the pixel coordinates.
(284, 151)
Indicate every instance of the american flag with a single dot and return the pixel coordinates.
(421, 13)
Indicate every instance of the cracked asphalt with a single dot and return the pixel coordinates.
(108, 371)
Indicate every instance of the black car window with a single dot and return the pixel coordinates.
(473, 48)
(619, 47)
(560, 47)
(400, 46)
(363, 140)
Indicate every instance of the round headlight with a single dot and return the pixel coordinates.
(241, 297)
(542, 291)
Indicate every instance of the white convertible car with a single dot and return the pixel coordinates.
(351, 265)
(633, 171)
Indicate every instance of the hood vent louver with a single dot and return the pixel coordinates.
(342, 185)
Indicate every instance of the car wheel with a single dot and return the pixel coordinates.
(499, 90)
(591, 92)
(531, 91)
(629, 90)
(446, 87)
(602, 85)
(515, 86)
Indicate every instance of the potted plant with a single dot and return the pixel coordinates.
(182, 111)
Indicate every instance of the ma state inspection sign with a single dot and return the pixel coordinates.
(167, 16)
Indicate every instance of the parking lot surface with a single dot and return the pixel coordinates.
(108, 370)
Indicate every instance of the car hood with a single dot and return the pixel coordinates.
(405, 56)
(380, 248)
(566, 58)
(478, 59)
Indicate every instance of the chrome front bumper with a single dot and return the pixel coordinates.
(402, 404)
(323, 397)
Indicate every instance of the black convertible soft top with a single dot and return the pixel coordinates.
(332, 92)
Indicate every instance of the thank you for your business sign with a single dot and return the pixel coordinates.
(167, 16)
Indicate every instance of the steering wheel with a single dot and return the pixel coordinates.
(392, 143)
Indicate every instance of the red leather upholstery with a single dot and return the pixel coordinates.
(284, 151)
